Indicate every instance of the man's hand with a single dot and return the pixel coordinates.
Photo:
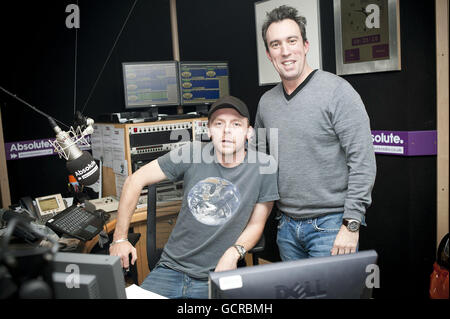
(123, 250)
(148, 174)
(345, 242)
(228, 261)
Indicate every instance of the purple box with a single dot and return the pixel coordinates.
(366, 40)
(352, 55)
(380, 51)
(33, 148)
(405, 143)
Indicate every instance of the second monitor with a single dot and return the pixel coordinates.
(203, 82)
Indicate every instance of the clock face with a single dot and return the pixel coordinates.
(355, 20)
(365, 30)
(354, 15)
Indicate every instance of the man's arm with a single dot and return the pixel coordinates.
(352, 126)
(249, 237)
(146, 175)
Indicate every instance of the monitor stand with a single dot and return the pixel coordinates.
(153, 111)
(202, 109)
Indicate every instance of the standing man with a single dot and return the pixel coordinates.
(325, 153)
(227, 199)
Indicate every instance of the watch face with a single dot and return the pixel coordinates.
(353, 226)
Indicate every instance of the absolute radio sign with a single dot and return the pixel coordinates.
(405, 143)
(33, 148)
(402, 143)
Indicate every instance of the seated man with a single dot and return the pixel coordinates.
(228, 195)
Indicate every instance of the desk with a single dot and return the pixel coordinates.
(166, 215)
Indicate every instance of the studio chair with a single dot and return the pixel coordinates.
(259, 248)
(154, 254)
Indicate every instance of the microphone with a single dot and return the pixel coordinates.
(80, 164)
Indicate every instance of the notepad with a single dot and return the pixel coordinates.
(136, 292)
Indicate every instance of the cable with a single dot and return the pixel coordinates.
(75, 79)
(75, 76)
(109, 55)
(31, 106)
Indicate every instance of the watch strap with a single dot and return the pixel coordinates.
(346, 223)
(241, 250)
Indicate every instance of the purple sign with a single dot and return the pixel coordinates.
(380, 51)
(405, 143)
(33, 148)
(366, 40)
(352, 55)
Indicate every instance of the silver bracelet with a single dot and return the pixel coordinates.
(118, 241)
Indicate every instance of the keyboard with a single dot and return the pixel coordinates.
(76, 222)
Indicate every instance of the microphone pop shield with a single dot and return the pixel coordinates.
(84, 168)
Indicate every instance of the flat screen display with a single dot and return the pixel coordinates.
(203, 82)
(148, 84)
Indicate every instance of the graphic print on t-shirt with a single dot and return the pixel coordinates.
(213, 201)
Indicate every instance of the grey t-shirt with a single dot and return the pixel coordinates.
(217, 205)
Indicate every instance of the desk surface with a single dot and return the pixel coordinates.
(139, 216)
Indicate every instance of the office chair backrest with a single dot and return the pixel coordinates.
(153, 254)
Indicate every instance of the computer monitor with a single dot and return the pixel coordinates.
(151, 84)
(87, 276)
(334, 277)
(203, 82)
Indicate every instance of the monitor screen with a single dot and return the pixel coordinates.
(333, 277)
(148, 84)
(88, 276)
(203, 82)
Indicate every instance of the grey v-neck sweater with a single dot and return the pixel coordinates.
(324, 150)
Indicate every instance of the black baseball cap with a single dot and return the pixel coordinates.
(229, 102)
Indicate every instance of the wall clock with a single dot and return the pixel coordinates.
(367, 36)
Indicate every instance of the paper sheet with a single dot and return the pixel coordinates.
(136, 292)
(107, 138)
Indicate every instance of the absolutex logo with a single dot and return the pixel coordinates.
(87, 171)
(32, 145)
(382, 138)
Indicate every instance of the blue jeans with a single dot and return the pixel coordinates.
(304, 238)
(174, 284)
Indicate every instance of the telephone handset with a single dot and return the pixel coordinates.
(27, 204)
(45, 208)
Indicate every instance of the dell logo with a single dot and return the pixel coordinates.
(305, 290)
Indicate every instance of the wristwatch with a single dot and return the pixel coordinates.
(241, 250)
(351, 224)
